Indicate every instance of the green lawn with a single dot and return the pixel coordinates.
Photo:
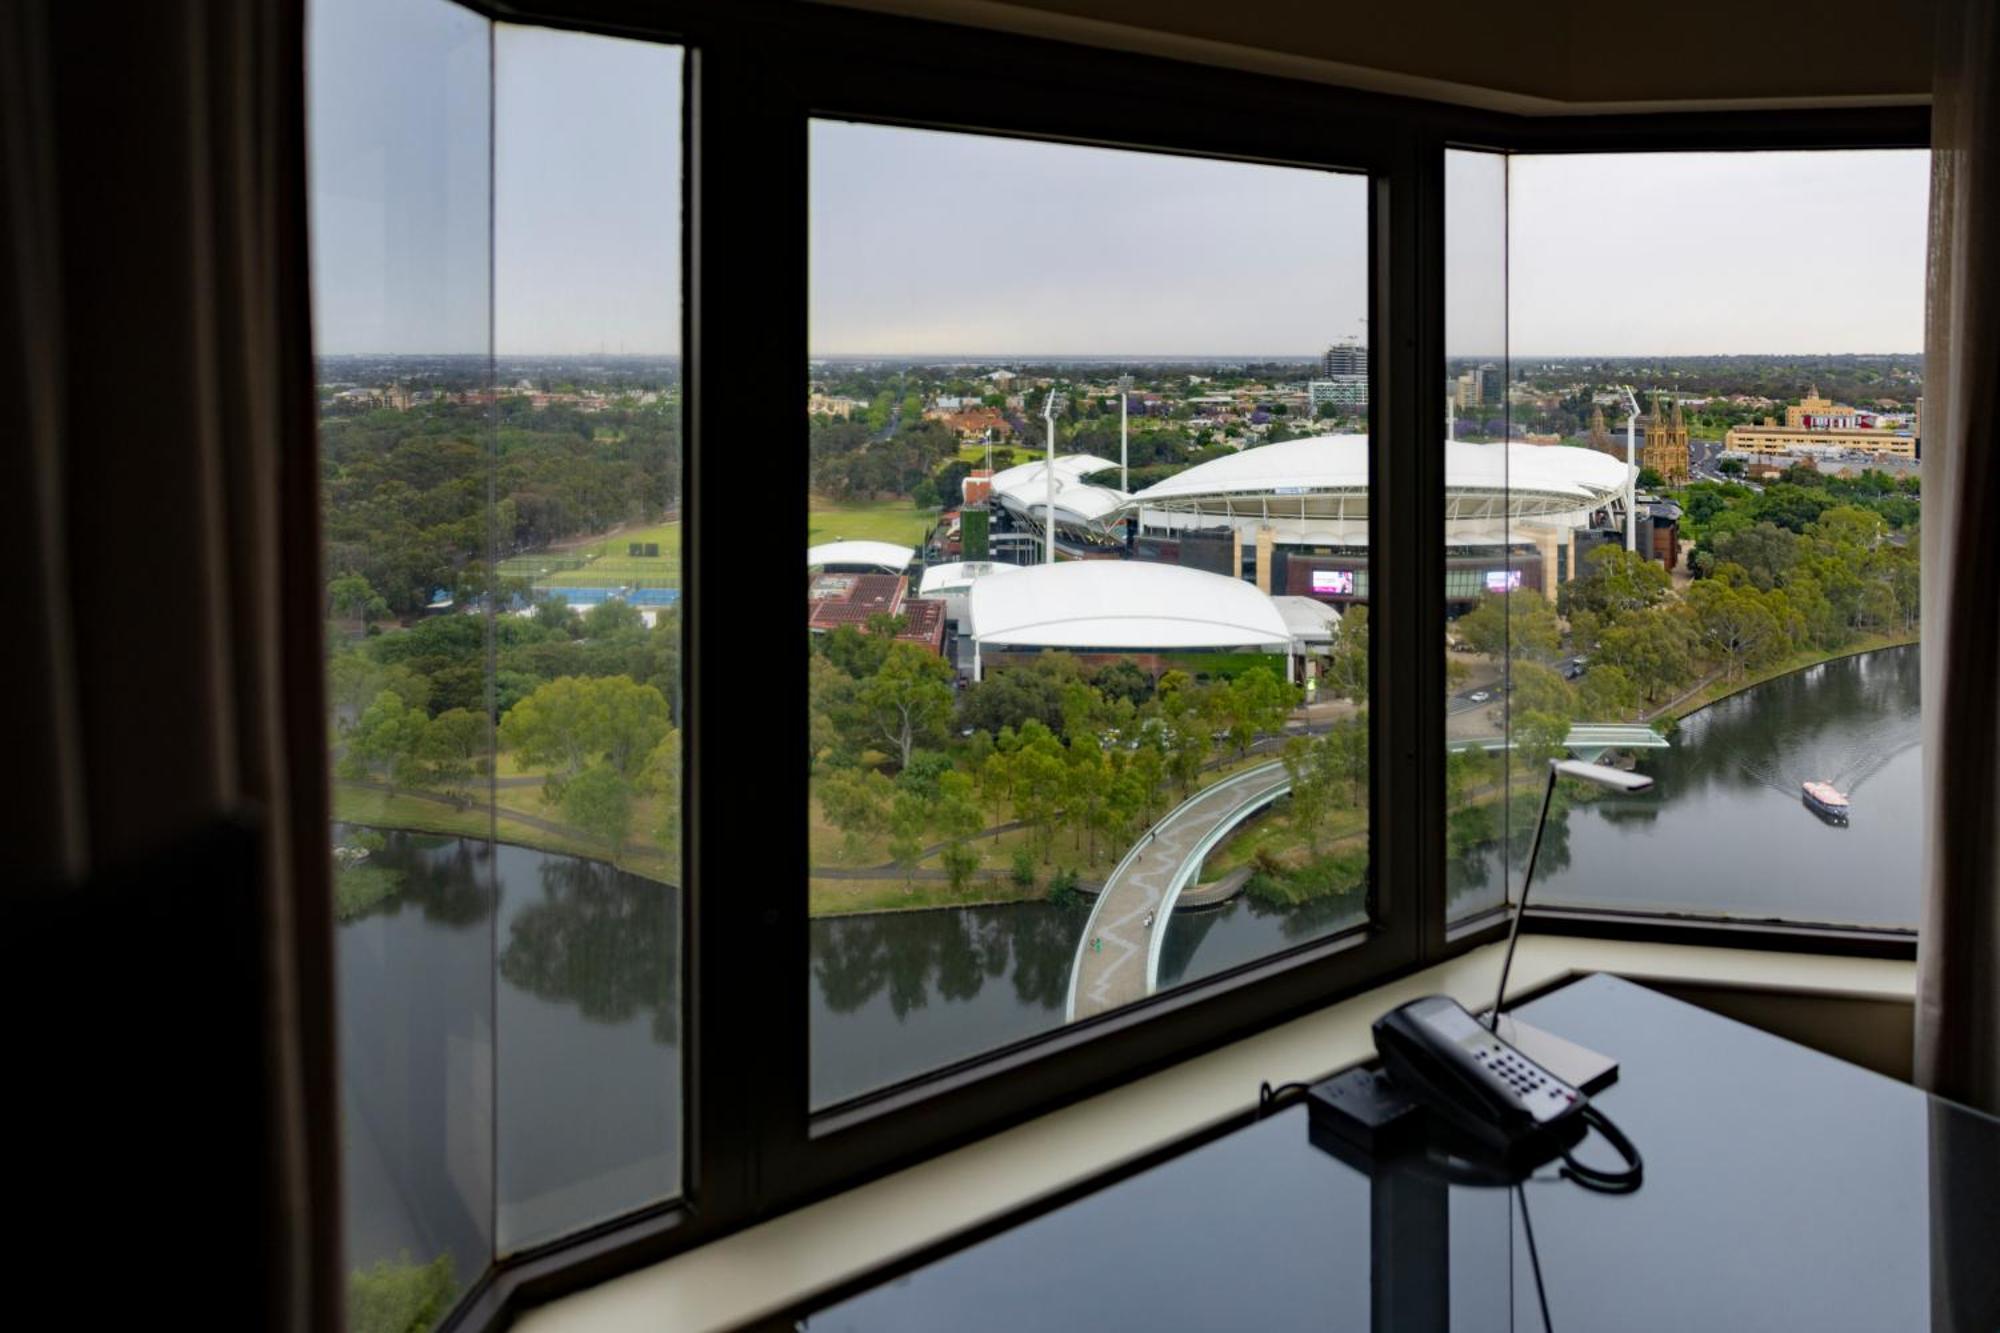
(896, 521)
(605, 563)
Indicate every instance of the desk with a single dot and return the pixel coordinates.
(1784, 1190)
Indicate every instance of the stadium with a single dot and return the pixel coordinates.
(1292, 517)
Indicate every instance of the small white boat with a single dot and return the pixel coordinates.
(1824, 800)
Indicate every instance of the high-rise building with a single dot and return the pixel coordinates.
(1492, 385)
(1344, 358)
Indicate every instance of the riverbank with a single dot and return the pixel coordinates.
(1715, 691)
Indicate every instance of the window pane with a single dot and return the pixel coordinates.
(504, 644)
(1043, 789)
(1754, 624)
(401, 310)
(587, 310)
(1485, 574)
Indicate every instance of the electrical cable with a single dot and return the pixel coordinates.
(1268, 1096)
(1534, 1258)
(1596, 1177)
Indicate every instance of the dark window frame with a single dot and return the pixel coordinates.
(756, 72)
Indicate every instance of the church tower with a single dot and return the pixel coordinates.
(1666, 447)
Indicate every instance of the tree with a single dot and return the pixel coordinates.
(453, 743)
(353, 596)
(1655, 649)
(1616, 582)
(1730, 467)
(1517, 624)
(907, 816)
(599, 801)
(1766, 553)
(855, 801)
(1040, 782)
(662, 781)
(1347, 665)
(908, 700)
(1607, 693)
(1312, 789)
(386, 739)
(1735, 624)
(571, 722)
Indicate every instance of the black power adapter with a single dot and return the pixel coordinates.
(1364, 1108)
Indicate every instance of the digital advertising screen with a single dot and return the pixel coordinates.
(1503, 580)
(1339, 582)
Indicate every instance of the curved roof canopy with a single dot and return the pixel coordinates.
(1024, 489)
(1123, 605)
(960, 575)
(872, 555)
(1301, 478)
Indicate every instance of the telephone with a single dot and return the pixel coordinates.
(1440, 1056)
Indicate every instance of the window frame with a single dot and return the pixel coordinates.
(756, 73)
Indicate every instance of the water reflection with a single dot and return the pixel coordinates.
(599, 939)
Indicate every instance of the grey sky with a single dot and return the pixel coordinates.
(1691, 253)
(585, 206)
(927, 242)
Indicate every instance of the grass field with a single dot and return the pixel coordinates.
(896, 521)
(605, 563)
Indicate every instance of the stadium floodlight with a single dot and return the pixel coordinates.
(1057, 401)
(1124, 432)
(1631, 432)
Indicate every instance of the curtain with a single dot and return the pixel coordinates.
(155, 381)
(1958, 952)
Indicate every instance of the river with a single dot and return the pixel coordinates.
(586, 1074)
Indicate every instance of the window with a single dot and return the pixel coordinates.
(1741, 622)
(1087, 729)
(497, 305)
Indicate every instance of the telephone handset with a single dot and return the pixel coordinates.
(1442, 1058)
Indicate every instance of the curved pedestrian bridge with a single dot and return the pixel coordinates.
(1118, 958)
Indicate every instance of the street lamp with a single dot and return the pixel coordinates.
(1575, 1065)
(1054, 405)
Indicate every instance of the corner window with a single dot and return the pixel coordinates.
(1707, 424)
(496, 271)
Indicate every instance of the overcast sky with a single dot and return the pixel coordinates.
(926, 243)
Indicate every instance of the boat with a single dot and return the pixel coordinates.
(1824, 800)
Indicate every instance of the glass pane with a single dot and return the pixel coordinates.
(1754, 626)
(1085, 729)
(587, 314)
(401, 312)
(1486, 576)
(503, 630)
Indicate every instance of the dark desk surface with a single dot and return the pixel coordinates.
(1784, 1190)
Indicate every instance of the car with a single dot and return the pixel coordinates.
(1480, 696)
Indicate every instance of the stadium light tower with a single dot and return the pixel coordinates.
(1124, 432)
(1054, 405)
(1631, 440)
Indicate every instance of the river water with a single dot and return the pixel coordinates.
(541, 1094)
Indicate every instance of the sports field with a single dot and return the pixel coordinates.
(606, 562)
(896, 521)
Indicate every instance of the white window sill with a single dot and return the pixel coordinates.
(757, 1272)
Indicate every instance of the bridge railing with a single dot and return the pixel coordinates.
(1199, 853)
(1124, 862)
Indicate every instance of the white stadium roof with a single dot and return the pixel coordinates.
(1123, 605)
(960, 575)
(879, 555)
(1534, 477)
(1309, 619)
(1024, 489)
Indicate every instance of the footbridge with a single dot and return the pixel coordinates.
(1587, 740)
(1118, 958)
